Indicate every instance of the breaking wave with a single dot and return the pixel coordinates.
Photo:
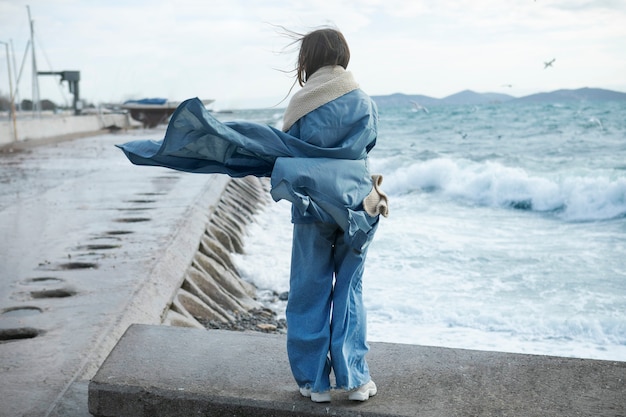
(572, 197)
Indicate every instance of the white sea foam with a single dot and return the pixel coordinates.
(576, 198)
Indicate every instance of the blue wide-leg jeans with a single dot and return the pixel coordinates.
(326, 319)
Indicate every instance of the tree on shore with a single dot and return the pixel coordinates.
(46, 104)
(27, 105)
(5, 102)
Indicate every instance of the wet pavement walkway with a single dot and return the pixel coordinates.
(88, 245)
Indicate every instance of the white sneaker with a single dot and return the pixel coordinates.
(364, 392)
(316, 397)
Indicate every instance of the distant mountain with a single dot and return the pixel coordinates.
(464, 97)
(471, 97)
(399, 99)
(474, 98)
(590, 94)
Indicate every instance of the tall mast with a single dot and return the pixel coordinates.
(16, 99)
(36, 104)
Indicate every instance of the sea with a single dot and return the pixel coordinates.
(506, 230)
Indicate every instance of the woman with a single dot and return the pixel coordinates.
(326, 319)
(319, 163)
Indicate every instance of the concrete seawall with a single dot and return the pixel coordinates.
(33, 130)
(212, 290)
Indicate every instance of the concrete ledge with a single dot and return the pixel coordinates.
(57, 127)
(160, 371)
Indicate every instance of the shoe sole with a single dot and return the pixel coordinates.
(316, 397)
(320, 397)
(363, 396)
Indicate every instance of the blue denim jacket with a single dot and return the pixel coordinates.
(332, 188)
(320, 164)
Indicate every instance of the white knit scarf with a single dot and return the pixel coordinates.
(325, 85)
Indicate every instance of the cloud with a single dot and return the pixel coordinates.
(232, 50)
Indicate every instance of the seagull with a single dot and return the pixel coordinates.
(548, 63)
(418, 107)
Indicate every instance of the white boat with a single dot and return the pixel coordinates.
(152, 112)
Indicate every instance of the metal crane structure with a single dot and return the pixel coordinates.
(72, 78)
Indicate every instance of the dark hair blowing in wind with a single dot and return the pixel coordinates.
(320, 48)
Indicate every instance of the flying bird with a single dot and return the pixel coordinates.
(548, 63)
(418, 107)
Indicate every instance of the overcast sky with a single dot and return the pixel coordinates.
(231, 51)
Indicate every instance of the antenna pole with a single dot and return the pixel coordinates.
(36, 101)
